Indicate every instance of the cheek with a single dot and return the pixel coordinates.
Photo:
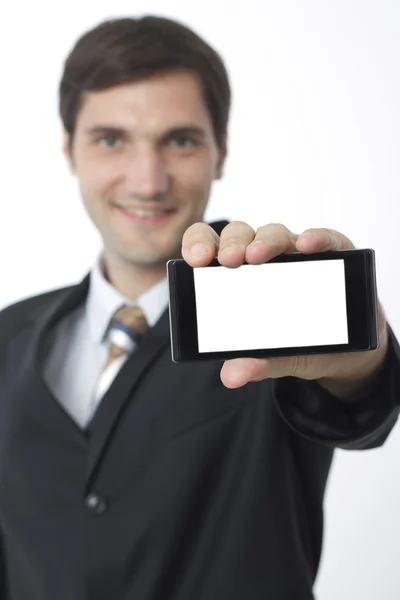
(97, 179)
(194, 181)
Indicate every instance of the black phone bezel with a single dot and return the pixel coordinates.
(361, 303)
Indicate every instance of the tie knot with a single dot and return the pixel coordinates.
(131, 320)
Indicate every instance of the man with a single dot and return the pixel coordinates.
(126, 476)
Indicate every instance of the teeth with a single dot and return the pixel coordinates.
(145, 213)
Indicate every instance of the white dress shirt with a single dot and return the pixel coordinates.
(80, 349)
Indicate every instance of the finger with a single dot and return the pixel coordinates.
(199, 245)
(234, 239)
(239, 371)
(270, 241)
(322, 240)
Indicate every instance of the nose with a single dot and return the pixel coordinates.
(146, 174)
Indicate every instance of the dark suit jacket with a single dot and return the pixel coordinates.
(184, 489)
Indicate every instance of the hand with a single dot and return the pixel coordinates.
(239, 243)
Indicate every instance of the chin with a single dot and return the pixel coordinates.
(148, 259)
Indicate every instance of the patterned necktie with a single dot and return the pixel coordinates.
(127, 327)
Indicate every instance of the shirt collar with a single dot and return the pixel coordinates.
(103, 300)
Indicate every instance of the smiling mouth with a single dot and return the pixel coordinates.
(145, 215)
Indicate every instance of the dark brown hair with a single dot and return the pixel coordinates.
(126, 50)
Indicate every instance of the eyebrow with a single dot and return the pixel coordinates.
(99, 130)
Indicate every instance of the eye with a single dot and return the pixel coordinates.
(109, 141)
(183, 142)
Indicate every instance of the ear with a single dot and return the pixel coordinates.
(67, 151)
(223, 153)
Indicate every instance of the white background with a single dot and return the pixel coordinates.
(314, 142)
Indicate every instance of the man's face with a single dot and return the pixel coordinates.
(145, 146)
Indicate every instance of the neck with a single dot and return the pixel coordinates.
(130, 280)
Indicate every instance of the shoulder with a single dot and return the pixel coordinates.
(14, 316)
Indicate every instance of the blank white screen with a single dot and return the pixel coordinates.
(273, 305)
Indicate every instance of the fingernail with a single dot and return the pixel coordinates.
(198, 250)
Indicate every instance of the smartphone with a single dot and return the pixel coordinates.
(293, 304)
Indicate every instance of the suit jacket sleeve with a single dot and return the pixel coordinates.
(311, 411)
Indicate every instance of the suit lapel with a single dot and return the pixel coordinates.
(28, 350)
(123, 387)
